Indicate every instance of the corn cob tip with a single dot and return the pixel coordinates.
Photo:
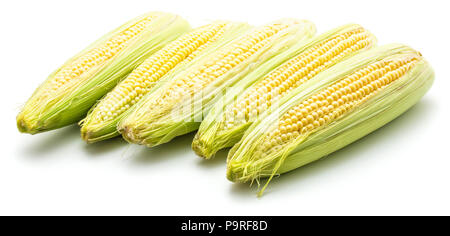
(26, 125)
(129, 134)
(231, 175)
(87, 136)
(206, 145)
(133, 132)
(201, 149)
(23, 126)
(237, 177)
(241, 171)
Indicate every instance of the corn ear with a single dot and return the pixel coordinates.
(68, 93)
(178, 107)
(101, 122)
(228, 120)
(346, 102)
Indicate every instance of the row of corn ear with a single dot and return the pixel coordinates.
(278, 95)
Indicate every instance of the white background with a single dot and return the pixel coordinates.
(403, 168)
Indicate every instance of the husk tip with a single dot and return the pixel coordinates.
(202, 149)
(235, 171)
(87, 135)
(128, 133)
(25, 126)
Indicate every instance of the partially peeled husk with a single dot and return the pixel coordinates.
(43, 113)
(386, 105)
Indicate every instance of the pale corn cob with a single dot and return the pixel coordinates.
(178, 107)
(349, 101)
(69, 92)
(227, 121)
(102, 120)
